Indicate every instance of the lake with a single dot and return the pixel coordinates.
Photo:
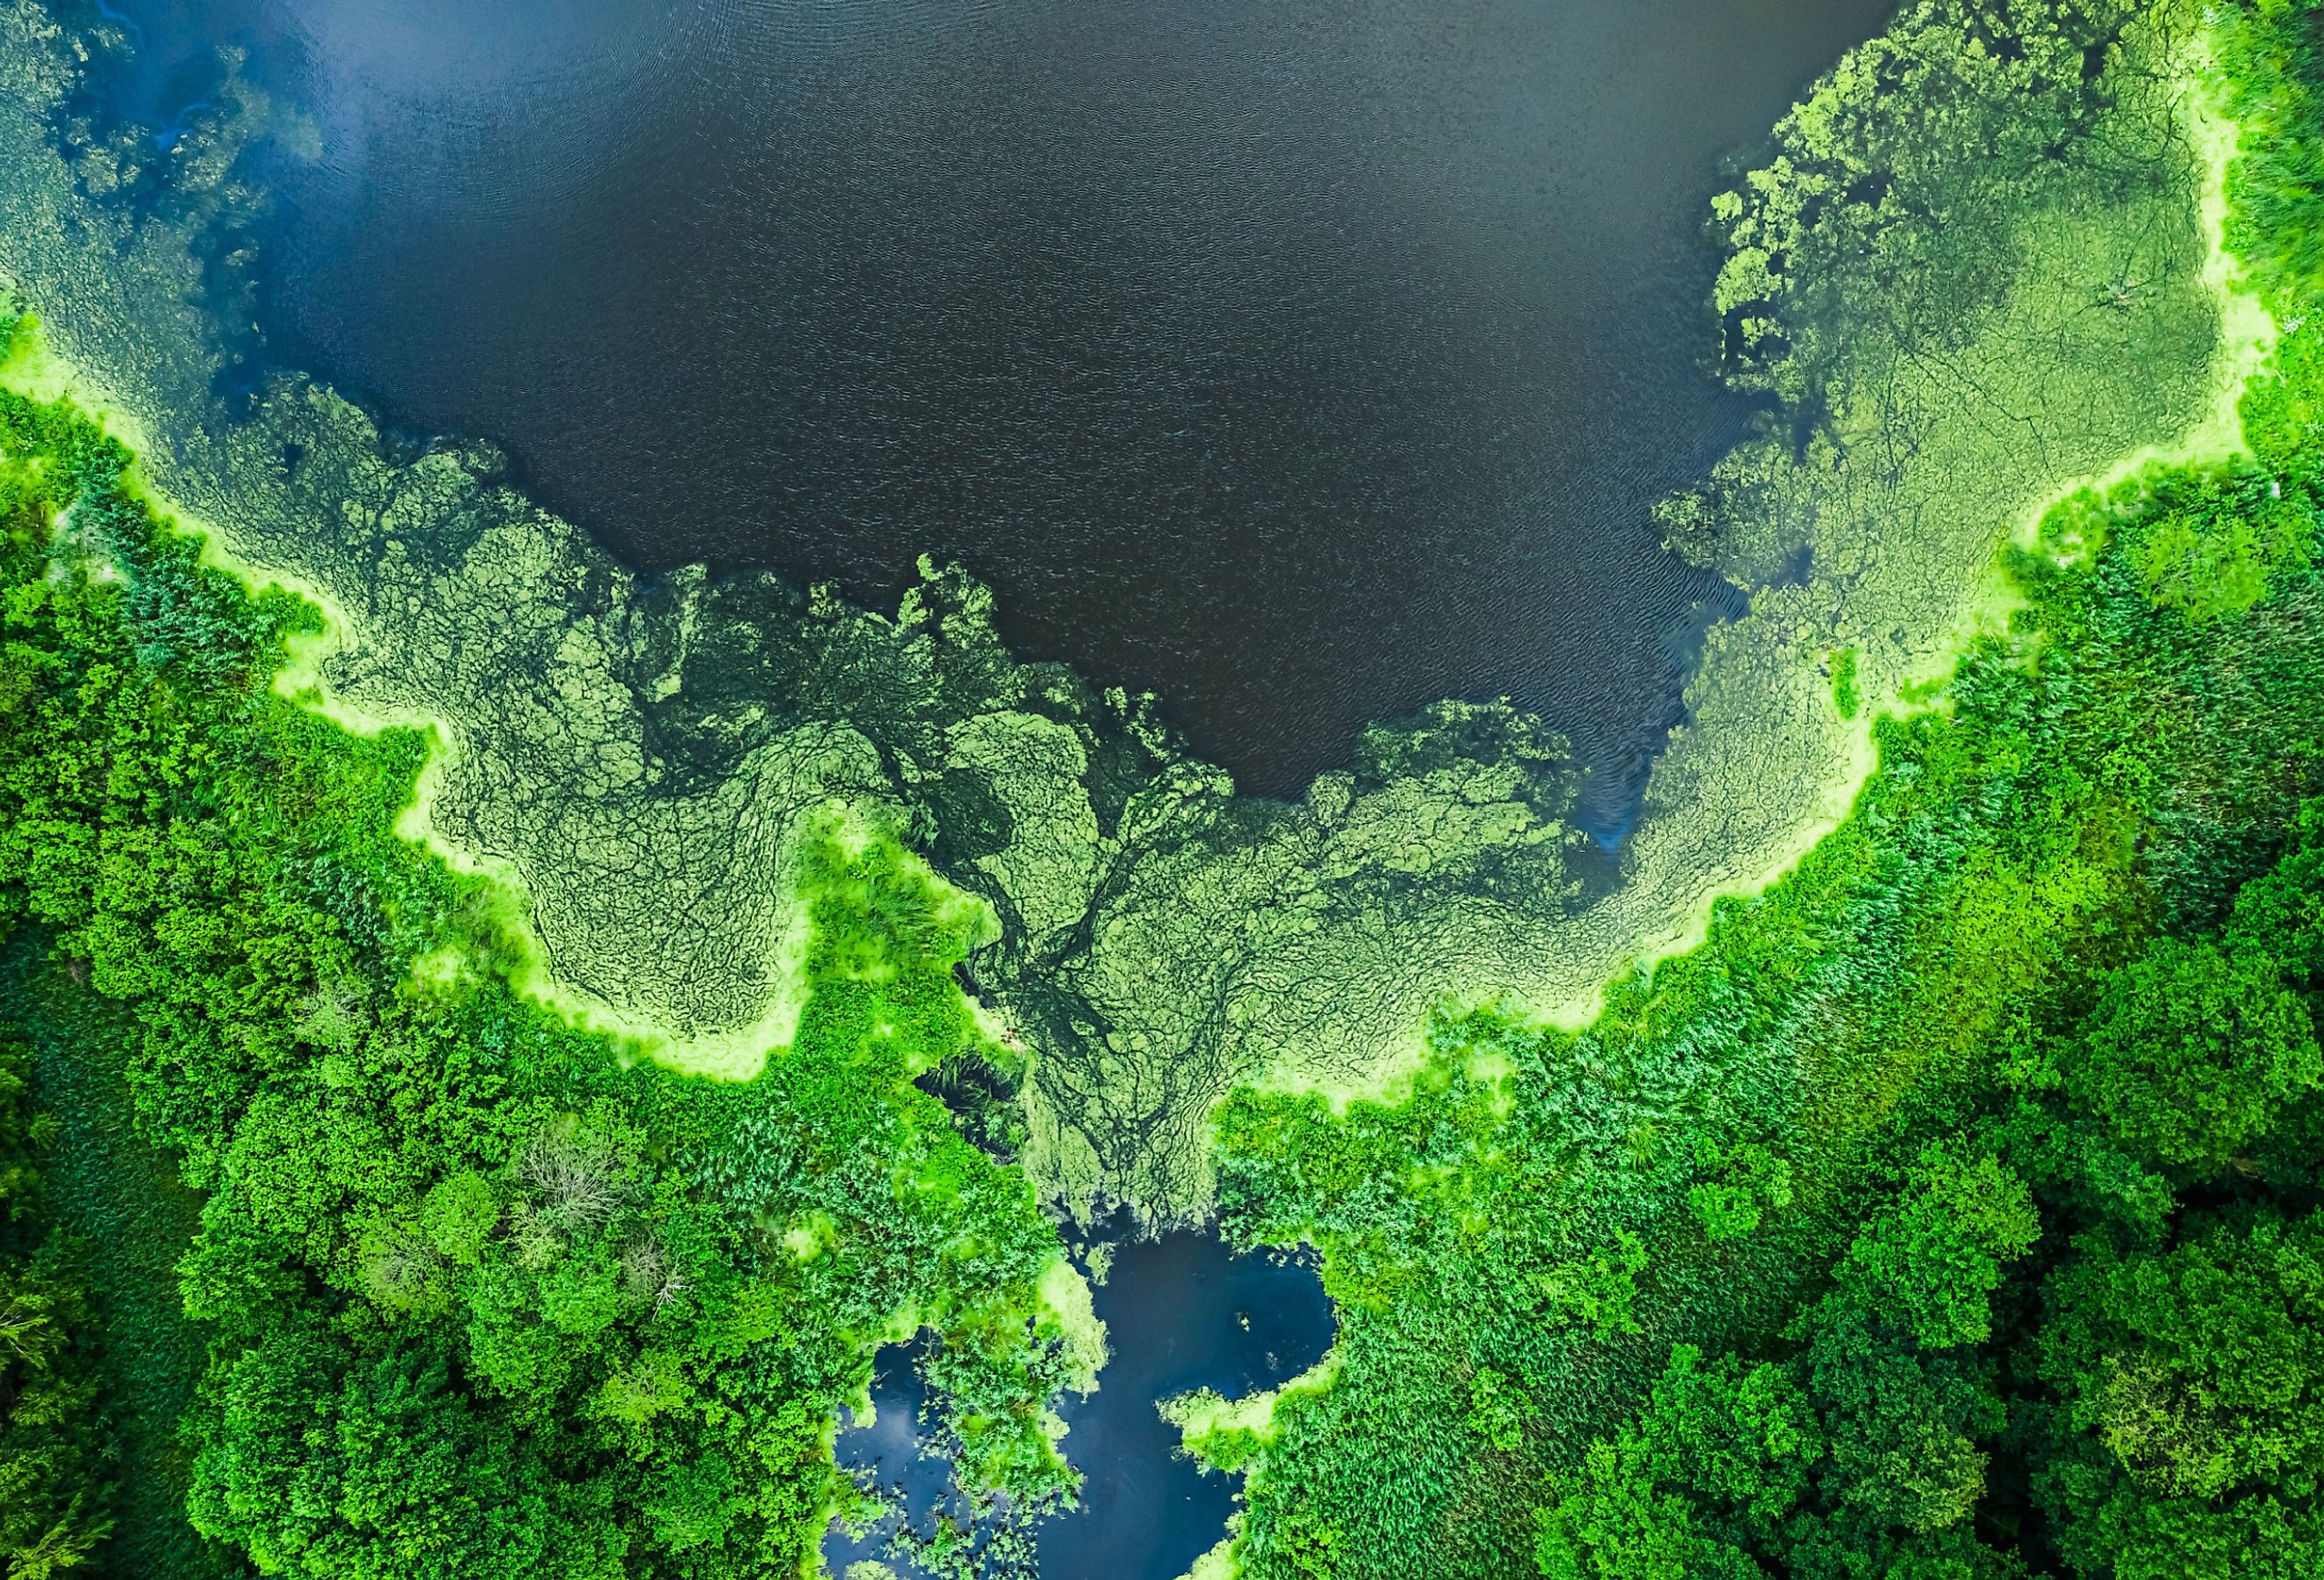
(1303, 363)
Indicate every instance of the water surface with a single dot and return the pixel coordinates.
(1302, 362)
(1181, 1313)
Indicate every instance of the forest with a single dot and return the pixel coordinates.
(1953, 1211)
(436, 1284)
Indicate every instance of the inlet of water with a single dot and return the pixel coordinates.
(1181, 1313)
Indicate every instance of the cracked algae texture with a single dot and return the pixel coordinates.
(641, 758)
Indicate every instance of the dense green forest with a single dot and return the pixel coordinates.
(1954, 1212)
(1957, 1209)
(473, 1293)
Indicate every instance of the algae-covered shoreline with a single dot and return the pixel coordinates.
(637, 758)
(449, 819)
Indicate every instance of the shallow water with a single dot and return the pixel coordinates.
(1181, 1313)
(1304, 363)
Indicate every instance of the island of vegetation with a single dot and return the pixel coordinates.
(472, 1024)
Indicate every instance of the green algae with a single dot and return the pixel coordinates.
(640, 759)
(365, 1150)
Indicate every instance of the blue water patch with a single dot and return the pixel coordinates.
(887, 1456)
(1182, 1313)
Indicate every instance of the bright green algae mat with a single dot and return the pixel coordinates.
(478, 1295)
(1893, 1229)
(644, 762)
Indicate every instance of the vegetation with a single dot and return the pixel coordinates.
(1956, 1209)
(55, 1491)
(1952, 1211)
(481, 1294)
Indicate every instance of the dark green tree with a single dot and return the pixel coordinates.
(2192, 1053)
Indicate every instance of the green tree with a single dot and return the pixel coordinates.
(460, 1214)
(2192, 1053)
(1702, 1479)
(1930, 1260)
(2188, 1442)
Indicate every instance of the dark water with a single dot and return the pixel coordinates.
(1181, 1313)
(1305, 362)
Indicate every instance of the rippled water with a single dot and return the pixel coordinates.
(1181, 1313)
(1304, 361)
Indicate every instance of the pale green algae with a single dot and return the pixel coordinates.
(640, 758)
(2089, 325)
